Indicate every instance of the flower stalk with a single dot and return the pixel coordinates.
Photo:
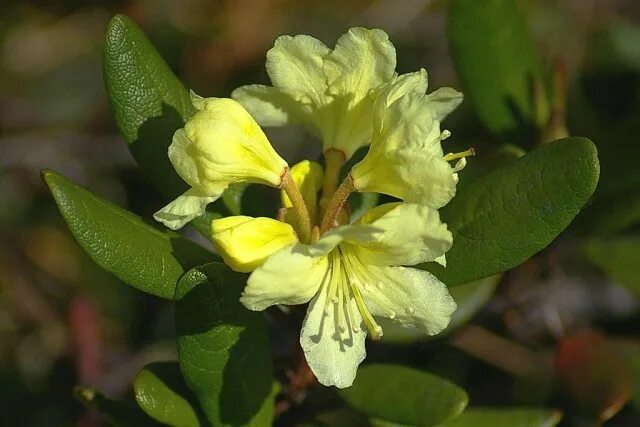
(336, 203)
(289, 186)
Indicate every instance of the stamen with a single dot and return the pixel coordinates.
(342, 323)
(333, 282)
(453, 156)
(445, 134)
(374, 329)
(347, 302)
(460, 164)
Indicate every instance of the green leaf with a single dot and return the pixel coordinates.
(521, 417)
(404, 395)
(470, 297)
(618, 257)
(162, 394)
(121, 243)
(119, 414)
(149, 104)
(483, 163)
(508, 215)
(148, 101)
(498, 66)
(223, 348)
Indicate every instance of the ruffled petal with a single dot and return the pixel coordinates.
(409, 296)
(405, 159)
(228, 146)
(191, 204)
(290, 276)
(411, 175)
(270, 106)
(362, 60)
(333, 347)
(395, 89)
(245, 242)
(444, 101)
(412, 234)
(295, 66)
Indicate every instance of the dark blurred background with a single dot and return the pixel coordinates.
(64, 322)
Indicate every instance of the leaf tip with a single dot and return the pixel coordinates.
(48, 175)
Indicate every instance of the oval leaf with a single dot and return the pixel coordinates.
(521, 417)
(223, 348)
(121, 243)
(403, 395)
(148, 101)
(160, 392)
(508, 215)
(498, 66)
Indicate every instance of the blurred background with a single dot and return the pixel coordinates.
(65, 322)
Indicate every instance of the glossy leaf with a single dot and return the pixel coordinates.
(483, 163)
(123, 244)
(498, 66)
(148, 101)
(618, 258)
(404, 395)
(520, 417)
(223, 348)
(162, 394)
(119, 414)
(510, 214)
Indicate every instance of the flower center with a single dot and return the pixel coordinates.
(347, 275)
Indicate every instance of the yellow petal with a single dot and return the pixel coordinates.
(289, 277)
(245, 242)
(228, 146)
(362, 60)
(411, 234)
(405, 159)
(294, 65)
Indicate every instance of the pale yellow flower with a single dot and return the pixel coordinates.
(351, 275)
(331, 91)
(221, 144)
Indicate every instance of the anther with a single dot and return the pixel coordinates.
(460, 164)
(445, 134)
(454, 156)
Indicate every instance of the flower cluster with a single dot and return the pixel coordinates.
(350, 272)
